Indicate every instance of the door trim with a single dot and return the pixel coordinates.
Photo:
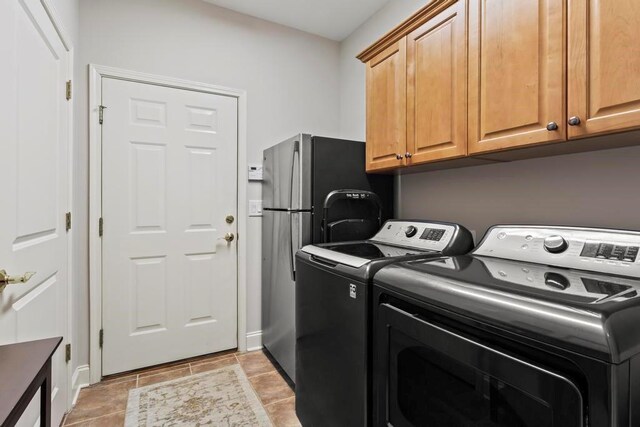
(96, 74)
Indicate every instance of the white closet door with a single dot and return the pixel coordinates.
(34, 186)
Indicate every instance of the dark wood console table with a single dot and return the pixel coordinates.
(25, 368)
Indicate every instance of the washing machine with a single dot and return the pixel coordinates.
(537, 327)
(333, 322)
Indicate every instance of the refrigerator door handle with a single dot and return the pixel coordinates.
(292, 251)
(292, 186)
(296, 237)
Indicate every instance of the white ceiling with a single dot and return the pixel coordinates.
(333, 19)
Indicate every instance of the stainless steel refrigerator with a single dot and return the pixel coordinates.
(298, 174)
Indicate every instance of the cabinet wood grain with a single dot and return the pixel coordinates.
(387, 108)
(516, 73)
(503, 79)
(437, 87)
(604, 66)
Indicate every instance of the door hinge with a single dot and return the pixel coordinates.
(101, 339)
(100, 227)
(101, 109)
(68, 91)
(68, 220)
(67, 353)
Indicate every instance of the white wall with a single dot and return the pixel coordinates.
(590, 189)
(291, 79)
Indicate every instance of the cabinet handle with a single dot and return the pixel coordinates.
(551, 126)
(574, 121)
(399, 156)
(407, 155)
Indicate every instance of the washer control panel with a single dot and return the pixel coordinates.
(601, 250)
(589, 287)
(610, 251)
(416, 234)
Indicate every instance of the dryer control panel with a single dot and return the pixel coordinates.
(416, 234)
(592, 249)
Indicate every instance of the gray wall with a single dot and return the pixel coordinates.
(591, 189)
(291, 79)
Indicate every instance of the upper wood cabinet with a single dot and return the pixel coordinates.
(387, 108)
(437, 87)
(473, 77)
(604, 66)
(516, 73)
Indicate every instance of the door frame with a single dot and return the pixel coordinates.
(96, 74)
(65, 39)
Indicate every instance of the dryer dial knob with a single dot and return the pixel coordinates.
(555, 244)
(556, 281)
(410, 231)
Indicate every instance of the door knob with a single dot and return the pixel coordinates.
(399, 156)
(229, 237)
(574, 121)
(407, 155)
(6, 279)
(551, 126)
(229, 219)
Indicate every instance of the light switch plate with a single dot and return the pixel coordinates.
(255, 207)
(255, 172)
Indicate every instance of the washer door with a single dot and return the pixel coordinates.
(429, 376)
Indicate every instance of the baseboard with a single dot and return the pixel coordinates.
(79, 380)
(254, 340)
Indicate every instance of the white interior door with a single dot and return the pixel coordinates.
(169, 172)
(34, 185)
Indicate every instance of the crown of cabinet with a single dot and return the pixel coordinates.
(421, 16)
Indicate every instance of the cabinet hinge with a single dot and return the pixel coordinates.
(101, 109)
(68, 90)
(100, 227)
(67, 353)
(101, 339)
(68, 220)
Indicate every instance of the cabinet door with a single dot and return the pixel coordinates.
(387, 108)
(516, 73)
(604, 66)
(437, 87)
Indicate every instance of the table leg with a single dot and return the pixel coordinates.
(45, 398)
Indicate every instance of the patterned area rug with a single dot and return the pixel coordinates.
(223, 397)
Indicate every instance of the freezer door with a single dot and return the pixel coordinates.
(283, 234)
(287, 174)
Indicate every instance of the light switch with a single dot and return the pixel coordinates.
(255, 207)
(255, 172)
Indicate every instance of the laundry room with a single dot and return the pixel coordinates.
(295, 213)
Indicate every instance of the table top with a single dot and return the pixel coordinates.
(19, 365)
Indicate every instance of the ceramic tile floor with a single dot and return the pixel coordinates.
(104, 404)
